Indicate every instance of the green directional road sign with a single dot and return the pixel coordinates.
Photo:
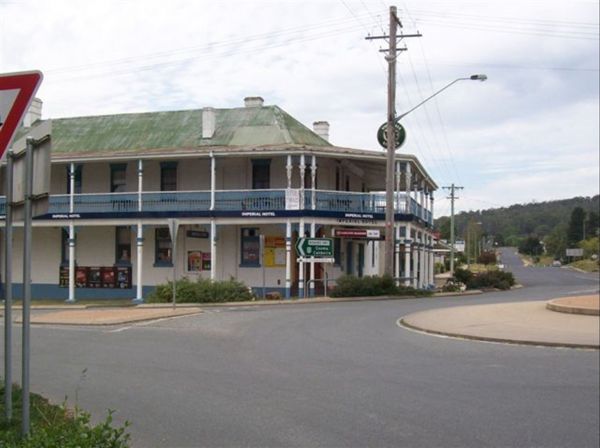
(315, 247)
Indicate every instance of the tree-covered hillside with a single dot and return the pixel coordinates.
(509, 225)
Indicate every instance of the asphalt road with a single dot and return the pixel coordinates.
(339, 374)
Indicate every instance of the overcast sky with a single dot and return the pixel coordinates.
(529, 133)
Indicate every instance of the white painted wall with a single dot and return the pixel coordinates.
(45, 260)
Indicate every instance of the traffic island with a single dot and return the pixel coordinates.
(587, 305)
(529, 323)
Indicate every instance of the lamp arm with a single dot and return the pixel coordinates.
(399, 117)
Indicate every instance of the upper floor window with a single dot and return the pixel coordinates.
(308, 178)
(261, 174)
(118, 177)
(77, 188)
(168, 176)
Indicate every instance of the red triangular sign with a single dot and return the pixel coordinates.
(16, 92)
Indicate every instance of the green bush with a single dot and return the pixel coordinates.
(492, 279)
(488, 279)
(202, 291)
(55, 426)
(369, 286)
(462, 275)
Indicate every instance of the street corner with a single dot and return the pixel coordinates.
(110, 316)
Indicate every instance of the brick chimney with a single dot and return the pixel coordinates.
(321, 128)
(208, 122)
(34, 113)
(253, 101)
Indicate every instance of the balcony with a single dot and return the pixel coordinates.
(228, 201)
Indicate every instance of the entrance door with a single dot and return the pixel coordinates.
(361, 259)
(349, 258)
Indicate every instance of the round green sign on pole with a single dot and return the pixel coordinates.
(399, 134)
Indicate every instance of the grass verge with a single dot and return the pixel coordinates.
(586, 265)
(57, 426)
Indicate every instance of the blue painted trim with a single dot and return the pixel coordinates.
(45, 291)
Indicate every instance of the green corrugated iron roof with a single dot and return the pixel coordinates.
(247, 126)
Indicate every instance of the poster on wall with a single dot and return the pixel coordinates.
(274, 252)
(194, 261)
(81, 276)
(108, 277)
(206, 263)
(123, 277)
(94, 278)
(63, 278)
(97, 277)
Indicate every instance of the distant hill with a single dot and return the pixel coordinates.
(521, 220)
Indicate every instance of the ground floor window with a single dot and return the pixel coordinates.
(337, 252)
(163, 247)
(64, 246)
(250, 250)
(123, 244)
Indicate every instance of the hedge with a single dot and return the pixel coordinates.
(202, 291)
(351, 286)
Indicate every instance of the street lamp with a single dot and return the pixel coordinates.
(389, 184)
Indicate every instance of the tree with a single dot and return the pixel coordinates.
(556, 242)
(592, 225)
(590, 247)
(531, 246)
(576, 226)
(443, 226)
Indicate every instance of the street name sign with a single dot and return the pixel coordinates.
(314, 247)
(16, 92)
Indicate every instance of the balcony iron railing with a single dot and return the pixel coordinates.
(229, 200)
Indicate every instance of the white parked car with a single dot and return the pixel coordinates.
(556, 264)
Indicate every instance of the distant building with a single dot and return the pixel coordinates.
(233, 178)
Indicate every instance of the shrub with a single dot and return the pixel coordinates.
(492, 279)
(369, 286)
(462, 275)
(56, 426)
(202, 291)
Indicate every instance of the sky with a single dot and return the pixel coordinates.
(529, 133)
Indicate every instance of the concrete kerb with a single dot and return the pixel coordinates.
(109, 316)
(322, 299)
(402, 323)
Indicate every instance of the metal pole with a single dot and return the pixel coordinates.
(174, 261)
(391, 148)
(8, 233)
(28, 188)
(452, 230)
(262, 265)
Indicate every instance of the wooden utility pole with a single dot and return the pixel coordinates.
(391, 147)
(452, 197)
(391, 136)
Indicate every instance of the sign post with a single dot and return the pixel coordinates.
(173, 229)
(16, 93)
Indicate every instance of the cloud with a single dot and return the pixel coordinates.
(536, 117)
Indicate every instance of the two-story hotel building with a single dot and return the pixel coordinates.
(242, 183)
